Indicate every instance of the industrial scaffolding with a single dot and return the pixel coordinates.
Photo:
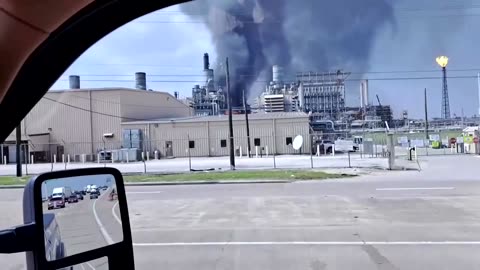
(322, 94)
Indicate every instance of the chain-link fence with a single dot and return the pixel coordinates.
(326, 150)
(409, 145)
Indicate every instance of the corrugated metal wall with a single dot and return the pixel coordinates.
(208, 136)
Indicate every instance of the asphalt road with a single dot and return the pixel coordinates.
(87, 225)
(391, 220)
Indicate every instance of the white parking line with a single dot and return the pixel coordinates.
(302, 243)
(415, 188)
(115, 214)
(99, 223)
(144, 192)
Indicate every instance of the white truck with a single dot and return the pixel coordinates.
(65, 192)
(345, 146)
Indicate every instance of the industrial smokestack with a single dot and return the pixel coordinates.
(141, 80)
(206, 62)
(301, 97)
(364, 93)
(74, 81)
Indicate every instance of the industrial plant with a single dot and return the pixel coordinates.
(319, 94)
(208, 98)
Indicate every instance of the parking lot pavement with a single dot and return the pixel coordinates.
(87, 225)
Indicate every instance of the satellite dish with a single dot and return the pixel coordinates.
(298, 142)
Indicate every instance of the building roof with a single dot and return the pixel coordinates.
(105, 89)
(218, 118)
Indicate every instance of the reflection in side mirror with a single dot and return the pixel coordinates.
(75, 216)
(75, 223)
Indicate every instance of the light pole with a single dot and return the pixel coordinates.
(442, 61)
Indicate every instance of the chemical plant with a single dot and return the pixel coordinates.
(322, 96)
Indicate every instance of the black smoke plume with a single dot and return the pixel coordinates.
(300, 35)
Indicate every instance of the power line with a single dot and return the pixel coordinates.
(254, 75)
(267, 81)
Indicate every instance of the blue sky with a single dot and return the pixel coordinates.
(169, 46)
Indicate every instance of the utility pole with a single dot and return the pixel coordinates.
(426, 115)
(230, 120)
(18, 132)
(246, 121)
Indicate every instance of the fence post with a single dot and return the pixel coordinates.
(55, 158)
(241, 154)
(311, 158)
(390, 151)
(5, 160)
(144, 166)
(318, 150)
(256, 151)
(31, 159)
(349, 162)
(127, 156)
(266, 150)
(189, 159)
(148, 156)
(427, 144)
(156, 155)
(274, 151)
(25, 157)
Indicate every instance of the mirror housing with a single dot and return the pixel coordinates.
(120, 255)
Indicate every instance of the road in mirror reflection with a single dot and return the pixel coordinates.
(80, 214)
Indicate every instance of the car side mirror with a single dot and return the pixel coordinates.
(63, 229)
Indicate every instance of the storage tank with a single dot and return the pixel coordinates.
(277, 72)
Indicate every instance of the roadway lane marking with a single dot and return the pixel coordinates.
(115, 214)
(91, 267)
(415, 188)
(301, 243)
(99, 223)
(144, 192)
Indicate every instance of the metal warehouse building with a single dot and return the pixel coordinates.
(82, 122)
(208, 135)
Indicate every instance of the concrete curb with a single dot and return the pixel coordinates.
(12, 187)
(180, 183)
(207, 183)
